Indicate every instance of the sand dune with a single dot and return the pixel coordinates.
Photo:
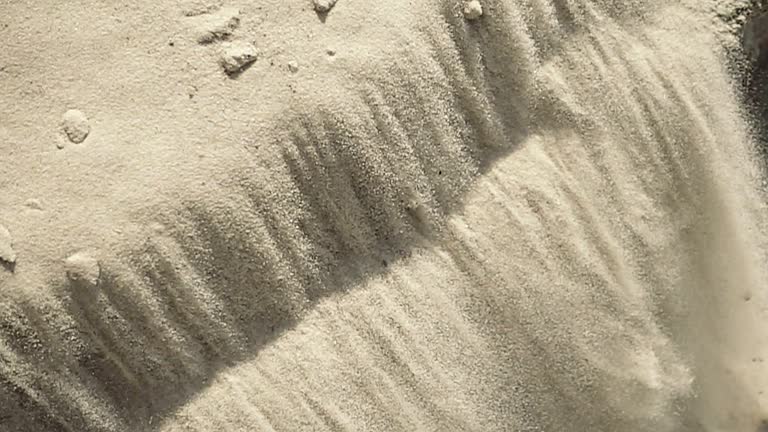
(386, 217)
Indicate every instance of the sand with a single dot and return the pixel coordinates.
(393, 218)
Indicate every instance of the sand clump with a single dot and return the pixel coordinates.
(472, 10)
(215, 25)
(237, 56)
(323, 6)
(192, 8)
(34, 204)
(82, 268)
(75, 125)
(7, 253)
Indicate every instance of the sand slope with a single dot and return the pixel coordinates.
(393, 219)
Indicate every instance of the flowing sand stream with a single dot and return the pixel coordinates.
(543, 219)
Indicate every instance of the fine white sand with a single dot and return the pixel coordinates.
(383, 216)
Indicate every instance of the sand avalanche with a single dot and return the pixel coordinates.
(405, 215)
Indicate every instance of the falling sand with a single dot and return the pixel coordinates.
(545, 218)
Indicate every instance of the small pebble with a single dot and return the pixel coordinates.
(34, 204)
(237, 55)
(331, 52)
(473, 10)
(217, 25)
(75, 125)
(323, 6)
(83, 268)
(7, 253)
(293, 66)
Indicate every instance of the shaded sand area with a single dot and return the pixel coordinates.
(385, 216)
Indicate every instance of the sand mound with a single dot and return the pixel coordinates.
(540, 219)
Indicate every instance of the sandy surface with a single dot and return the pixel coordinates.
(385, 216)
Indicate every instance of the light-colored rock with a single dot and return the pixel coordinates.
(473, 10)
(293, 66)
(83, 268)
(323, 6)
(75, 125)
(237, 55)
(7, 253)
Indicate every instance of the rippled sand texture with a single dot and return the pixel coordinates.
(544, 219)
